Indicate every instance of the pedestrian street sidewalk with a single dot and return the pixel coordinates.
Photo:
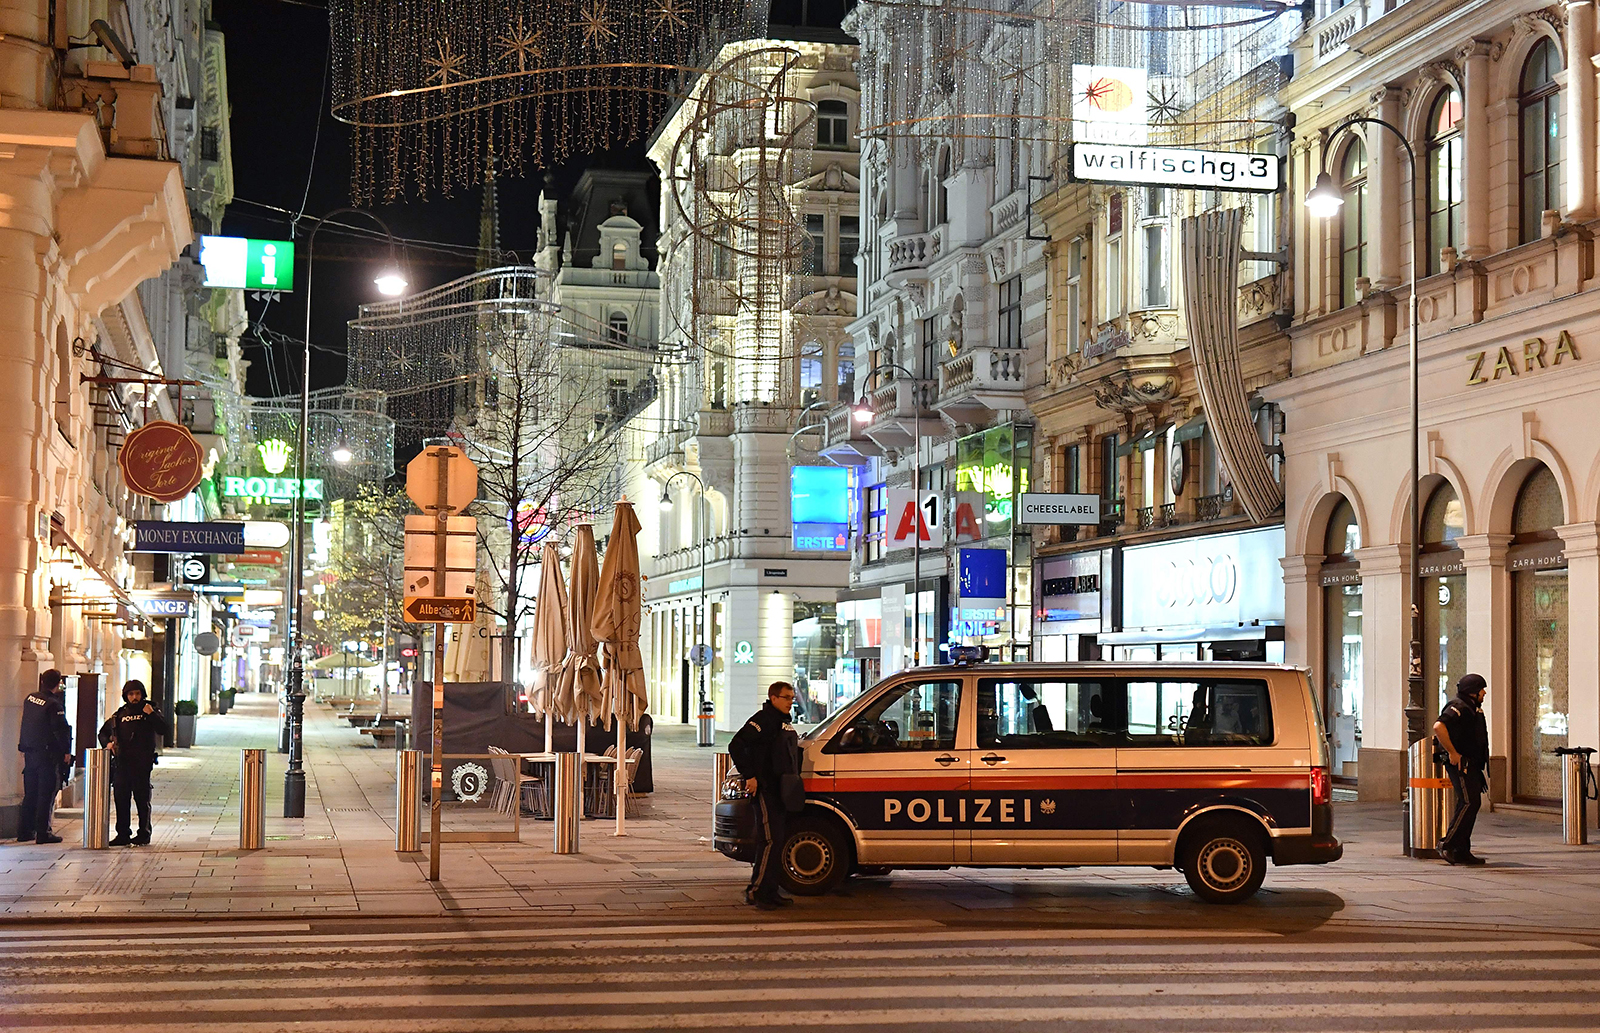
(340, 860)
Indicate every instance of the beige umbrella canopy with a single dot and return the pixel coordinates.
(579, 697)
(617, 614)
(549, 631)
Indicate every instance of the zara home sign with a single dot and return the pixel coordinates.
(1536, 354)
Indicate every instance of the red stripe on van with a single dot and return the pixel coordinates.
(931, 784)
(981, 781)
(1213, 780)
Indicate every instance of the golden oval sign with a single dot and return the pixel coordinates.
(162, 461)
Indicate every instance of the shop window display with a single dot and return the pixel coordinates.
(1539, 598)
(1444, 596)
(1342, 637)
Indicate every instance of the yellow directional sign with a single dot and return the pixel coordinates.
(428, 609)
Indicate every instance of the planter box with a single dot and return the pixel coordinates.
(183, 729)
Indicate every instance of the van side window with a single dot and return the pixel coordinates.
(913, 716)
(1043, 715)
(1210, 712)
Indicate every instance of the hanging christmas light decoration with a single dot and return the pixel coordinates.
(429, 86)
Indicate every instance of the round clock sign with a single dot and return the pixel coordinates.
(162, 461)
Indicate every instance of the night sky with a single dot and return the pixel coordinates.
(277, 54)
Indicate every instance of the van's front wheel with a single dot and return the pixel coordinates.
(815, 857)
(1224, 861)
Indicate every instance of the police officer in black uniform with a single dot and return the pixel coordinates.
(1464, 734)
(767, 753)
(45, 742)
(131, 733)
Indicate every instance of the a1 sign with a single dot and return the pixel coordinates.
(911, 517)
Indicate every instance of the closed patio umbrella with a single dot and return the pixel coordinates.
(549, 637)
(579, 696)
(618, 611)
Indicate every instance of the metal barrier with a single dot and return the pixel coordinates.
(1427, 810)
(1577, 778)
(568, 801)
(705, 733)
(96, 799)
(721, 764)
(252, 799)
(408, 801)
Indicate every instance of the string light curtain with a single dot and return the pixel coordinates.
(430, 86)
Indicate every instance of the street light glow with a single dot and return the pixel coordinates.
(391, 283)
(1324, 199)
(863, 413)
(666, 500)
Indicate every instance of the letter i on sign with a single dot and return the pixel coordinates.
(269, 266)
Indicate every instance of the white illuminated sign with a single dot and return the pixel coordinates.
(1176, 167)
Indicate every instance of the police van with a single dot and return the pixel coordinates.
(1211, 768)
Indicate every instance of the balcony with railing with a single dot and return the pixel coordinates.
(842, 440)
(980, 381)
(911, 254)
(900, 409)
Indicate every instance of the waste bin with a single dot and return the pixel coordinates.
(1427, 801)
(252, 799)
(408, 801)
(96, 799)
(1578, 787)
(705, 733)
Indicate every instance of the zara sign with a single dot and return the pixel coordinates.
(1216, 580)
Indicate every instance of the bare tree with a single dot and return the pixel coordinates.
(364, 583)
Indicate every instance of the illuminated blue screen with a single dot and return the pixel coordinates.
(821, 495)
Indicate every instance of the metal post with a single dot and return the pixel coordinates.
(96, 799)
(1425, 794)
(294, 779)
(568, 803)
(408, 801)
(442, 514)
(252, 799)
(916, 535)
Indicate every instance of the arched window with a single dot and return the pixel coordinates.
(1444, 595)
(1443, 519)
(617, 328)
(1540, 633)
(1444, 176)
(941, 192)
(619, 255)
(1353, 228)
(1541, 137)
(1343, 638)
(1015, 165)
(833, 124)
(1344, 534)
(847, 372)
(810, 372)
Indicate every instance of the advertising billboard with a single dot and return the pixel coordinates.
(819, 508)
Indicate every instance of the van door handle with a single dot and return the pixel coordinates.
(946, 760)
(823, 774)
(992, 758)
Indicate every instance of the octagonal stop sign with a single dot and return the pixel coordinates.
(423, 472)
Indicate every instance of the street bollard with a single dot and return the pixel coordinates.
(1576, 779)
(96, 799)
(705, 733)
(283, 725)
(408, 801)
(568, 802)
(721, 764)
(1425, 796)
(252, 799)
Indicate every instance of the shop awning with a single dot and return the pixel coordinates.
(1143, 443)
(1191, 430)
(59, 535)
(1224, 633)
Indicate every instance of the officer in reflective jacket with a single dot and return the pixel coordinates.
(131, 733)
(767, 753)
(45, 742)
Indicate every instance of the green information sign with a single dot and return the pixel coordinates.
(244, 262)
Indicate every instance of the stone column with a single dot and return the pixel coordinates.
(1582, 542)
(1489, 642)
(1578, 157)
(1302, 600)
(1385, 640)
(1475, 145)
(1387, 175)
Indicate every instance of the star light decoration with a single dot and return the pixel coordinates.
(670, 15)
(522, 44)
(1166, 106)
(447, 66)
(595, 24)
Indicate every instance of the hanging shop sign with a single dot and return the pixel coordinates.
(194, 570)
(168, 536)
(153, 605)
(272, 489)
(1058, 508)
(1214, 580)
(1110, 105)
(911, 517)
(819, 508)
(247, 263)
(161, 461)
(1176, 167)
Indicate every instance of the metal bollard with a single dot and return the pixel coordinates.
(252, 799)
(721, 764)
(568, 802)
(96, 799)
(408, 801)
(1576, 778)
(283, 725)
(705, 733)
(1425, 796)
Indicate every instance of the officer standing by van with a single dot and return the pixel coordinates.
(1464, 734)
(45, 742)
(767, 753)
(131, 733)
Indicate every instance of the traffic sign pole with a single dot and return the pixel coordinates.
(442, 509)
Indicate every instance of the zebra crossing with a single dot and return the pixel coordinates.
(926, 975)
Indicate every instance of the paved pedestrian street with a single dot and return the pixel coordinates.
(340, 860)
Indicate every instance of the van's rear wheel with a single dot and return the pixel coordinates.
(1224, 861)
(815, 857)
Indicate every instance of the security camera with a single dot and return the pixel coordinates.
(111, 41)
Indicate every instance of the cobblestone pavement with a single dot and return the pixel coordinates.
(340, 860)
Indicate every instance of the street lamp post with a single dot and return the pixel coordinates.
(1324, 202)
(391, 282)
(863, 413)
(705, 543)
